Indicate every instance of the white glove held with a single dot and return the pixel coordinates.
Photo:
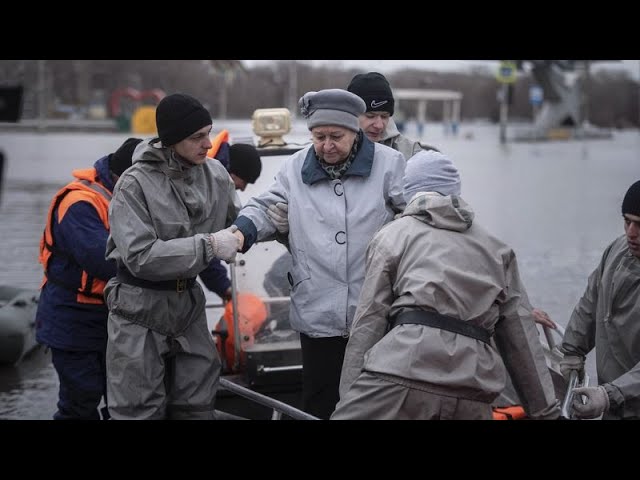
(225, 244)
(279, 214)
(597, 402)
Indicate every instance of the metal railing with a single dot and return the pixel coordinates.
(566, 410)
(279, 408)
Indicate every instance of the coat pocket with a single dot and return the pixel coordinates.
(299, 271)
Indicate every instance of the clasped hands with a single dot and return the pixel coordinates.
(226, 243)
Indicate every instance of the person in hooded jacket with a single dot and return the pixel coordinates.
(607, 318)
(378, 125)
(168, 217)
(71, 318)
(439, 290)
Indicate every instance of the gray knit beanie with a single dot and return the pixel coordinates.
(430, 171)
(332, 107)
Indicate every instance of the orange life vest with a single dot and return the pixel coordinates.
(222, 137)
(87, 189)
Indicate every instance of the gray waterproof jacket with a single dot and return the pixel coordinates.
(435, 258)
(330, 225)
(394, 139)
(161, 214)
(607, 318)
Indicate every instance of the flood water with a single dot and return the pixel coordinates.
(557, 204)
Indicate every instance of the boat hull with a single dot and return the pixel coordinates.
(17, 323)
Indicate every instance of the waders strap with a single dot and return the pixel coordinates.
(443, 322)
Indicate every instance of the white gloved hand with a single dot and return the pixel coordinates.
(569, 363)
(225, 244)
(279, 214)
(597, 402)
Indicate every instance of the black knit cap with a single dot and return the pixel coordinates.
(178, 116)
(121, 159)
(245, 162)
(631, 202)
(374, 89)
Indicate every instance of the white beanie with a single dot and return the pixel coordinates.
(430, 171)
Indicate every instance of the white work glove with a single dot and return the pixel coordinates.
(570, 363)
(597, 402)
(279, 214)
(225, 244)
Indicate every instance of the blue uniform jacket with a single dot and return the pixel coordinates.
(61, 322)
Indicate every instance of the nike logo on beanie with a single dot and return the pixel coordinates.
(375, 104)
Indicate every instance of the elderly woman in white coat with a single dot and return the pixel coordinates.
(328, 200)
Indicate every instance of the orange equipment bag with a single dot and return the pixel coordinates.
(514, 412)
(252, 313)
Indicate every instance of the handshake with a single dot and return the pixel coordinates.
(226, 243)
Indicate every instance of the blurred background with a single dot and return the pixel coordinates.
(115, 93)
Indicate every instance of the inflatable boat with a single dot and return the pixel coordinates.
(17, 323)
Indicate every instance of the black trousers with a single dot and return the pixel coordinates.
(321, 367)
(83, 379)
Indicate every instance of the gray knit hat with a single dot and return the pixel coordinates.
(332, 107)
(430, 171)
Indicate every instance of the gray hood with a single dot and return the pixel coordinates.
(152, 151)
(448, 213)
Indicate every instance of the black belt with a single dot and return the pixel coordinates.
(437, 320)
(179, 285)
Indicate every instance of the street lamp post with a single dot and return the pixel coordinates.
(42, 94)
(293, 88)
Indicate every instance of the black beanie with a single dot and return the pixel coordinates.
(374, 89)
(121, 159)
(178, 116)
(631, 202)
(245, 162)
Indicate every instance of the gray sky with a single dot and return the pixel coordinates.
(387, 66)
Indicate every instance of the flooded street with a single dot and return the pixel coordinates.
(557, 204)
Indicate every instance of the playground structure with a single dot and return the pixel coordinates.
(564, 111)
(451, 105)
(134, 110)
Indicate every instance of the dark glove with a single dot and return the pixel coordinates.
(227, 295)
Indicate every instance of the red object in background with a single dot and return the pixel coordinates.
(114, 102)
